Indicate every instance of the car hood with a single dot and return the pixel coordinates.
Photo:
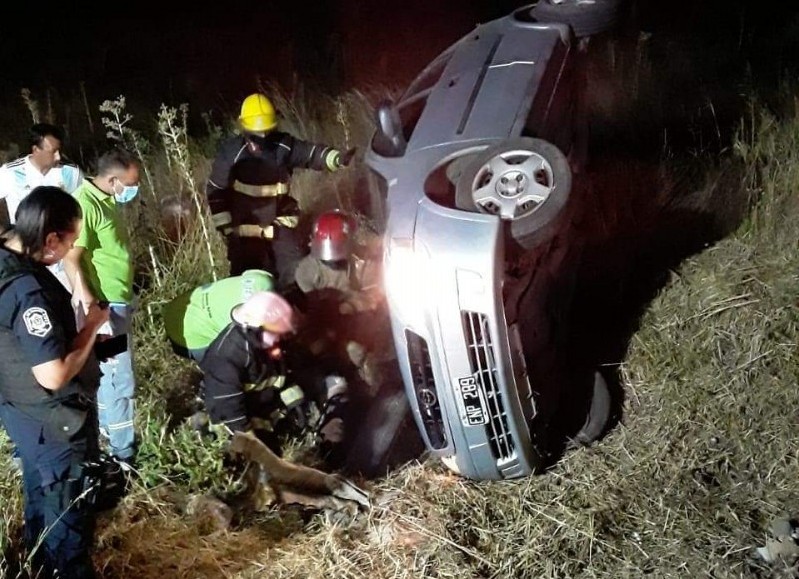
(487, 86)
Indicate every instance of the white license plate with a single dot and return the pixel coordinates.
(473, 404)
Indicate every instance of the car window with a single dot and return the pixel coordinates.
(410, 112)
(550, 114)
(413, 101)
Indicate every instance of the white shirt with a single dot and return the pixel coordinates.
(19, 177)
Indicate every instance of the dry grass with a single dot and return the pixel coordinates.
(684, 486)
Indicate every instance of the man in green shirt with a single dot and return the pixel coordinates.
(99, 270)
(195, 318)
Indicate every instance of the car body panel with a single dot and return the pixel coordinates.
(460, 361)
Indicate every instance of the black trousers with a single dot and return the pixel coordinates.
(278, 256)
(59, 525)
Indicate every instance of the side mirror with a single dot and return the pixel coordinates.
(389, 140)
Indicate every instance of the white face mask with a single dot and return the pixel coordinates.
(127, 194)
(268, 339)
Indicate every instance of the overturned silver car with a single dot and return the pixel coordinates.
(474, 162)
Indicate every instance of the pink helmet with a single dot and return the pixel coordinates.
(265, 310)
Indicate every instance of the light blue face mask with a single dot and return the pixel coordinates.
(128, 192)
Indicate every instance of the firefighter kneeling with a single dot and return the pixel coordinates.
(250, 383)
(342, 284)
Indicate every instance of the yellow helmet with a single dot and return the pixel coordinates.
(257, 114)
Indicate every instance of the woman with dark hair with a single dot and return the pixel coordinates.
(48, 380)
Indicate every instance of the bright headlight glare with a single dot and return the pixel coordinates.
(405, 277)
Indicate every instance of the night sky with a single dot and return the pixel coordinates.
(213, 50)
(212, 56)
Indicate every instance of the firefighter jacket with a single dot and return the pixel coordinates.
(250, 187)
(242, 382)
(353, 283)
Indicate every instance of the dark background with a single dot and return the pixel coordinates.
(212, 56)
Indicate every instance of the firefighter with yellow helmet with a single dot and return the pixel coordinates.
(249, 193)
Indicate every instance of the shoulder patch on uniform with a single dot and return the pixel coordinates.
(37, 322)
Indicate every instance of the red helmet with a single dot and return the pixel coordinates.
(332, 236)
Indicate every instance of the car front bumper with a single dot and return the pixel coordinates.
(463, 367)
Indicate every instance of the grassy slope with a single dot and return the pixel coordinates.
(684, 487)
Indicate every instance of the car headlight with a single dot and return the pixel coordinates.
(406, 277)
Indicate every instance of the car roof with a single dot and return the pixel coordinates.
(487, 85)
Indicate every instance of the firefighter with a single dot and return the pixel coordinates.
(342, 284)
(248, 190)
(251, 381)
(337, 264)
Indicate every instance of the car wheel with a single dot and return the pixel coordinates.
(598, 412)
(586, 17)
(524, 181)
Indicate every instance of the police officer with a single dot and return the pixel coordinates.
(248, 190)
(48, 380)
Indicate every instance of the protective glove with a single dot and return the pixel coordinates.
(331, 427)
(346, 157)
(297, 406)
(299, 416)
(332, 431)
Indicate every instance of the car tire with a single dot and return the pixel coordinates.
(586, 19)
(497, 181)
(598, 413)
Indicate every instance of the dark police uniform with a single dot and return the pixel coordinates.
(249, 191)
(55, 432)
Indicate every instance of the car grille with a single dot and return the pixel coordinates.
(484, 369)
(424, 386)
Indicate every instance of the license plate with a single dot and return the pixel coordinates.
(473, 405)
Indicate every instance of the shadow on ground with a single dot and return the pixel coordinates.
(661, 186)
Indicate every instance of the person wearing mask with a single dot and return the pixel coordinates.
(195, 318)
(48, 380)
(100, 270)
(249, 195)
(253, 377)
